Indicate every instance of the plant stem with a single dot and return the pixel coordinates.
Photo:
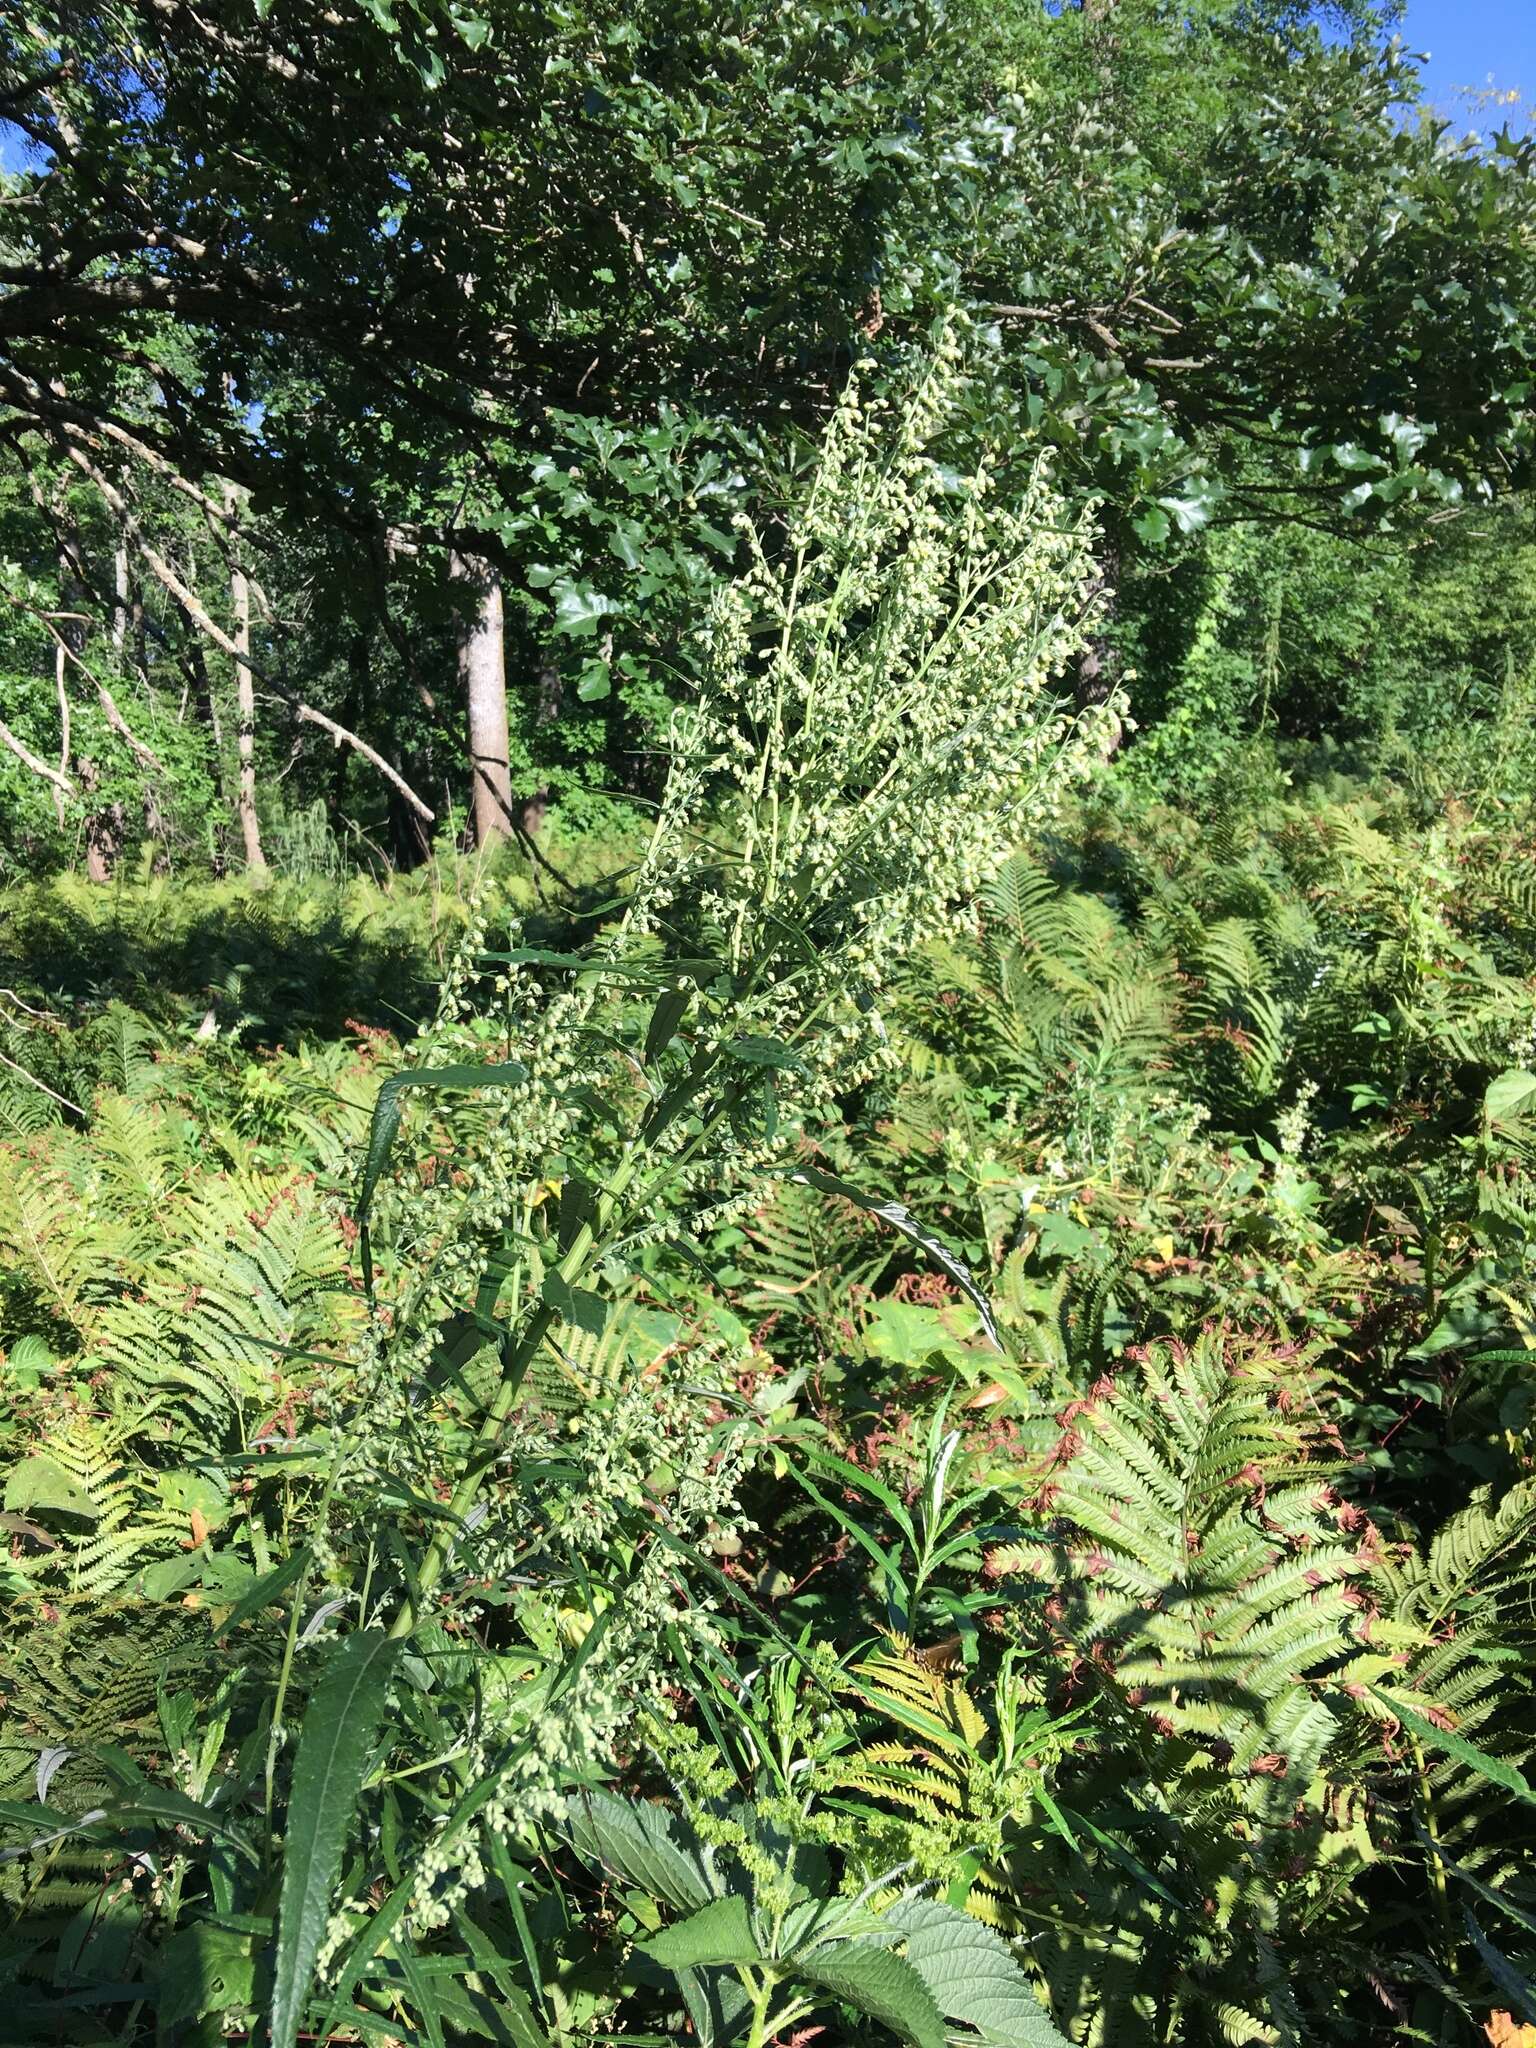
(516, 1361)
(481, 1458)
(762, 1997)
(1436, 1860)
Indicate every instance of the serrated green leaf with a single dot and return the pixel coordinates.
(879, 1985)
(643, 1844)
(1511, 1097)
(720, 1932)
(38, 1482)
(203, 1968)
(335, 1739)
(973, 1975)
(716, 2002)
(578, 1305)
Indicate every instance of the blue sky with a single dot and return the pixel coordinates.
(1468, 39)
(13, 152)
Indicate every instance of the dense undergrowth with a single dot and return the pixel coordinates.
(996, 1507)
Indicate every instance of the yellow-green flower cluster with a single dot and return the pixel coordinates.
(879, 709)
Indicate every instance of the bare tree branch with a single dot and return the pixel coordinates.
(24, 753)
(145, 756)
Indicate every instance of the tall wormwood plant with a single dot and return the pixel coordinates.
(877, 698)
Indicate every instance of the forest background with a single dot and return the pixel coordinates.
(1038, 1496)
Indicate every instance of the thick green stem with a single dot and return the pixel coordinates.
(762, 1998)
(481, 1458)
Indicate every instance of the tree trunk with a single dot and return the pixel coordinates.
(120, 599)
(245, 705)
(410, 844)
(60, 660)
(104, 828)
(207, 710)
(104, 825)
(69, 637)
(546, 710)
(483, 675)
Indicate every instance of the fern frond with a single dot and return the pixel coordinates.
(1214, 1598)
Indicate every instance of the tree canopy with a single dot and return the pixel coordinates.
(556, 291)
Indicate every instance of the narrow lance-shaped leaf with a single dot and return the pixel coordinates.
(513, 2011)
(267, 1589)
(648, 973)
(162, 1806)
(671, 1008)
(1514, 1984)
(902, 1219)
(334, 1743)
(1493, 1768)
